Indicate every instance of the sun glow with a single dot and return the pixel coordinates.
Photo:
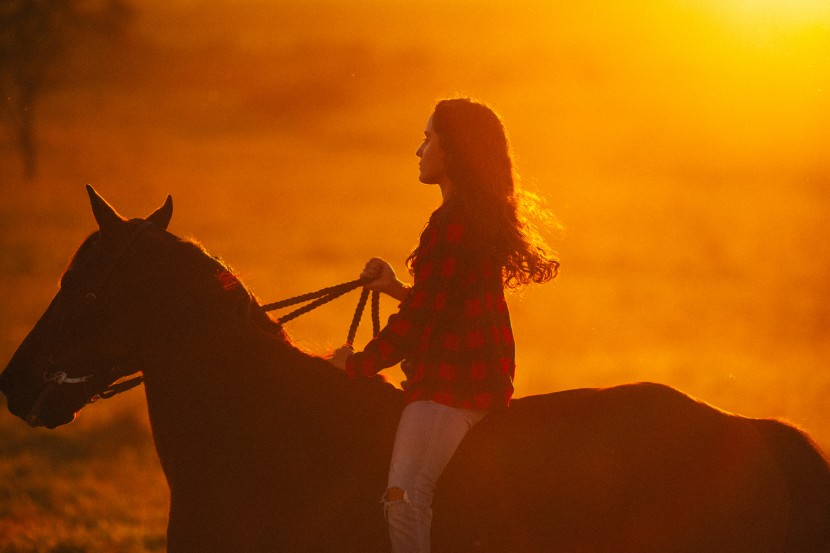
(798, 12)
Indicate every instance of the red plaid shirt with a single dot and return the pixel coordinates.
(453, 329)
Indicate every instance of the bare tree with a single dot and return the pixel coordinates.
(36, 37)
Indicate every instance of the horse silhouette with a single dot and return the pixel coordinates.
(267, 448)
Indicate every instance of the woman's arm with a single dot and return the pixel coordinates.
(438, 278)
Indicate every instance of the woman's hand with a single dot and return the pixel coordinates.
(340, 356)
(384, 279)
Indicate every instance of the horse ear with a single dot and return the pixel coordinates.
(162, 215)
(105, 215)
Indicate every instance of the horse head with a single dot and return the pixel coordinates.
(91, 335)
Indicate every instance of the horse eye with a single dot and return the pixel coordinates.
(90, 297)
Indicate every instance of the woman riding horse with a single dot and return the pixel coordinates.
(453, 329)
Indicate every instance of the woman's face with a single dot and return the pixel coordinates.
(433, 163)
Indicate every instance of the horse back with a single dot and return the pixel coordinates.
(639, 467)
(807, 474)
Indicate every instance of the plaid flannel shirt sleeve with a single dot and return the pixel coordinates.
(436, 279)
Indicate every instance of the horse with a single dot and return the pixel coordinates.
(268, 448)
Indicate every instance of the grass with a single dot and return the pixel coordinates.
(95, 488)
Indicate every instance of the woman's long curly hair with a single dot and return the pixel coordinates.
(479, 164)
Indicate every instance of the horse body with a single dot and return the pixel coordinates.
(632, 468)
(266, 448)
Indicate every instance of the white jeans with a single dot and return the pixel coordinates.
(427, 437)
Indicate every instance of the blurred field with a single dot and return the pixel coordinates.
(682, 146)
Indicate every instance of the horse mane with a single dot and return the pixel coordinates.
(231, 289)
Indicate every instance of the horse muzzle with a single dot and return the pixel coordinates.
(26, 396)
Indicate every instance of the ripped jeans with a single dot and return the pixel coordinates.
(427, 437)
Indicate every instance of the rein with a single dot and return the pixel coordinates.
(320, 297)
(325, 295)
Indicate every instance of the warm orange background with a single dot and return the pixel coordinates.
(681, 144)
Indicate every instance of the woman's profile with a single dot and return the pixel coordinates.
(452, 333)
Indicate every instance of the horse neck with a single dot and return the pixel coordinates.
(243, 385)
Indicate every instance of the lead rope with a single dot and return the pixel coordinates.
(328, 294)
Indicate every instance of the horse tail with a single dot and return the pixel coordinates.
(807, 475)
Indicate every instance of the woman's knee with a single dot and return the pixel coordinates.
(396, 506)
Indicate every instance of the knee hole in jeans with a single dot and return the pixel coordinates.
(394, 497)
(395, 494)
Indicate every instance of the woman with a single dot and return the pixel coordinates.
(452, 334)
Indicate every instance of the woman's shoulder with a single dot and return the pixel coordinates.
(453, 226)
(446, 217)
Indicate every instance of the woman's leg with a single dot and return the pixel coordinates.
(428, 435)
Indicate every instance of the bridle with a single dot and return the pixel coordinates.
(59, 378)
(111, 388)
